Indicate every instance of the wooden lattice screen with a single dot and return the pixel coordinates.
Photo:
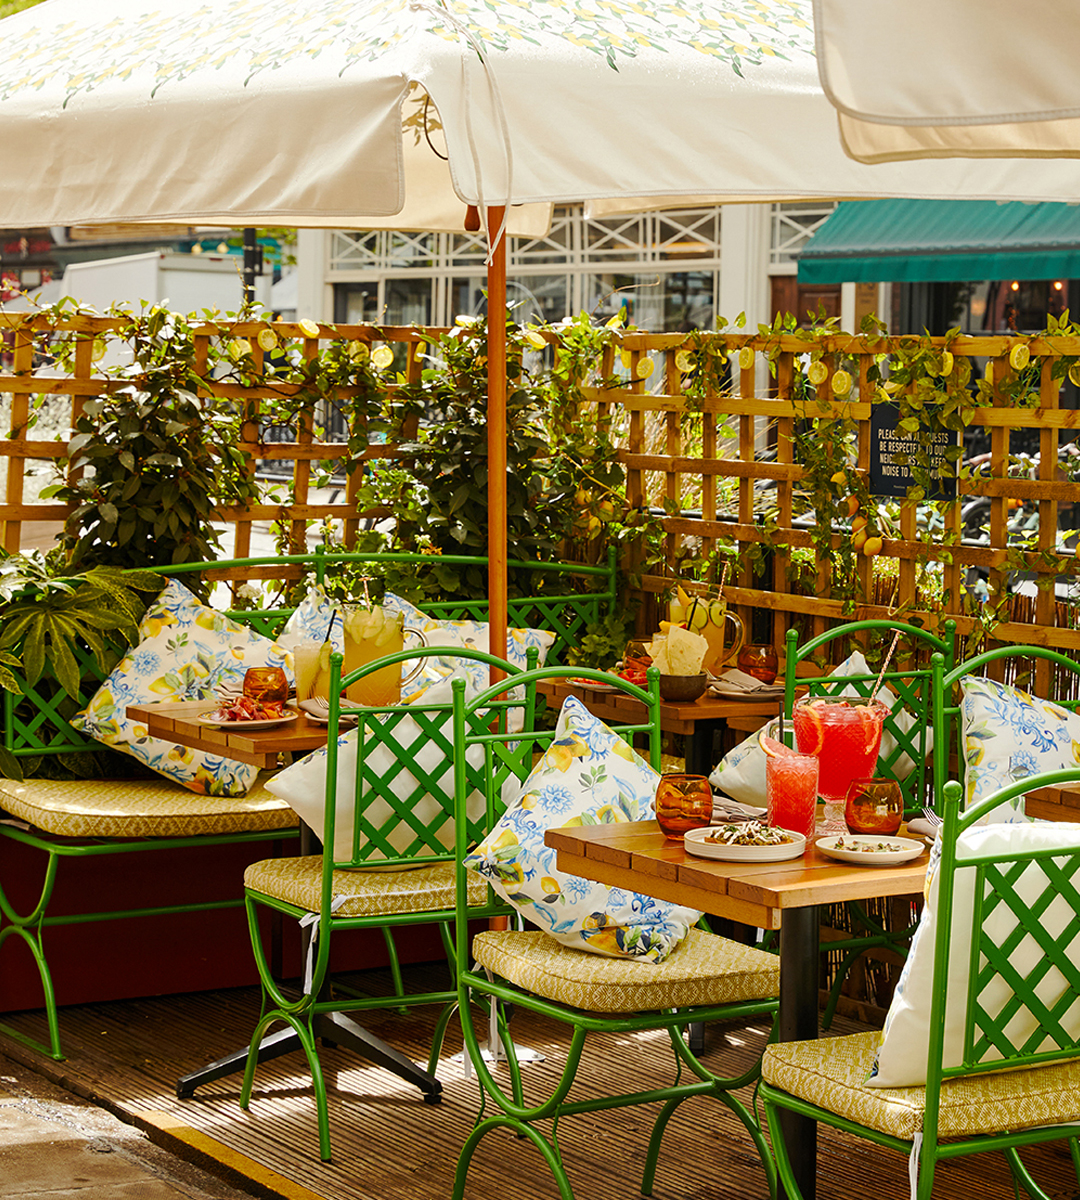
(704, 454)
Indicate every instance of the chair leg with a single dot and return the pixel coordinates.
(482, 1128)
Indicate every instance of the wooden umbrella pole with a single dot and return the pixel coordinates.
(498, 591)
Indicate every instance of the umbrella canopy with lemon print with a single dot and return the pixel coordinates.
(970, 79)
(325, 112)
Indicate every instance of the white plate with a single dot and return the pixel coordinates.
(208, 718)
(758, 694)
(594, 686)
(909, 849)
(695, 843)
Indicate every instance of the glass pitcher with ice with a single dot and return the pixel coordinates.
(712, 619)
(370, 632)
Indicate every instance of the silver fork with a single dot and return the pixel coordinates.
(932, 817)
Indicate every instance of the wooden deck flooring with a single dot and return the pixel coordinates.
(389, 1145)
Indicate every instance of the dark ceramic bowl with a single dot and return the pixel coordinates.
(682, 688)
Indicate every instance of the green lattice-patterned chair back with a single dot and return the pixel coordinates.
(908, 674)
(1013, 664)
(1019, 998)
(402, 768)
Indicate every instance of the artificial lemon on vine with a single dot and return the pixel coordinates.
(1019, 356)
(746, 358)
(382, 357)
(841, 384)
(817, 373)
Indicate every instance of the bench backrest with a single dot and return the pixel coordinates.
(568, 598)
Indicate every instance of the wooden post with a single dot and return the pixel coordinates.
(498, 590)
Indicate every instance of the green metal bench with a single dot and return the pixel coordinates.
(88, 819)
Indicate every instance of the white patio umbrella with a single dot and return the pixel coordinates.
(291, 112)
(968, 79)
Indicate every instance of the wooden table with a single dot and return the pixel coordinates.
(783, 895)
(697, 720)
(176, 721)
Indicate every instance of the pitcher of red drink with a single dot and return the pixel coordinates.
(844, 733)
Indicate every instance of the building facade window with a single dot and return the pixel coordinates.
(663, 269)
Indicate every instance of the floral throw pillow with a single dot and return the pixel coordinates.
(588, 776)
(186, 651)
(1008, 735)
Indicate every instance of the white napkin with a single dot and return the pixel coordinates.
(725, 809)
(923, 827)
(736, 680)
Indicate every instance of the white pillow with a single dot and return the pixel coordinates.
(741, 772)
(1008, 735)
(588, 776)
(902, 1054)
(303, 785)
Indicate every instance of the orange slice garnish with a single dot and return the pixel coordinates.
(772, 747)
(813, 727)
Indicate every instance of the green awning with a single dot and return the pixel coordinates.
(910, 241)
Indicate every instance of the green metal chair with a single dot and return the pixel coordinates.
(403, 834)
(1007, 1031)
(946, 685)
(531, 971)
(909, 676)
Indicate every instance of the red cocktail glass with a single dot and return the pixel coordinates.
(791, 785)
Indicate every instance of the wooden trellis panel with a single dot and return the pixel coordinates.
(758, 400)
(28, 336)
(703, 454)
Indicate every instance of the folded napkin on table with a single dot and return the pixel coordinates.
(725, 809)
(736, 680)
(923, 827)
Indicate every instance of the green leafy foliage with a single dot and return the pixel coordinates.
(47, 618)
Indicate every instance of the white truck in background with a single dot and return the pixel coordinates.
(188, 282)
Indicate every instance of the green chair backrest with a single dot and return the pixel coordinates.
(946, 685)
(1019, 1009)
(401, 785)
(510, 754)
(907, 674)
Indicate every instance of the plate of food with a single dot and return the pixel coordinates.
(870, 850)
(745, 841)
(246, 713)
(595, 685)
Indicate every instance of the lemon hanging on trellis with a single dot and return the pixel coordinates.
(841, 383)
(382, 358)
(817, 372)
(1019, 356)
(645, 368)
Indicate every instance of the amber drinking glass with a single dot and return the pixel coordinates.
(874, 806)
(683, 802)
(266, 685)
(759, 661)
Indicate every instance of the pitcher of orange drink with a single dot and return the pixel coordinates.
(710, 618)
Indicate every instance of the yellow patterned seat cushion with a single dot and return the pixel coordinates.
(374, 893)
(831, 1073)
(138, 808)
(702, 969)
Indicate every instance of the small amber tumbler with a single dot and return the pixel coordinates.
(760, 661)
(266, 685)
(683, 802)
(874, 806)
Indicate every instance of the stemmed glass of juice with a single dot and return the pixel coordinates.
(844, 733)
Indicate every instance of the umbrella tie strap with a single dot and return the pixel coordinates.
(500, 112)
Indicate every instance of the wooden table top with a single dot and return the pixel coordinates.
(637, 856)
(674, 717)
(175, 721)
